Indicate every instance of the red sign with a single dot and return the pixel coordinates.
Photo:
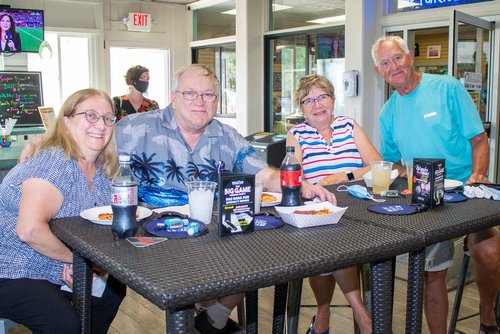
(139, 22)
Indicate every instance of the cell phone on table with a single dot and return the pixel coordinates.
(390, 193)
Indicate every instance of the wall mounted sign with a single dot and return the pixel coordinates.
(424, 4)
(139, 22)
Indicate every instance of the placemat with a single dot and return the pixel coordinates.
(393, 209)
(267, 222)
(454, 197)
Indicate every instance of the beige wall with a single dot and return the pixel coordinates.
(104, 19)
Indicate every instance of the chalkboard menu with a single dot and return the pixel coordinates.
(20, 96)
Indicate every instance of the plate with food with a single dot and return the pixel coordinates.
(452, 184)
(315, 214)
(270, 199)
(103, 215)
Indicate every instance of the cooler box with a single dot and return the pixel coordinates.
(270, 147)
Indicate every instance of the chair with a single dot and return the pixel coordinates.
(462, 277)
(5, 325)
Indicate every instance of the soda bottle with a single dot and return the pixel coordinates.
(291, 179)
(124, 200)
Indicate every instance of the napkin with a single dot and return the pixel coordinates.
(98, 285)
(482, 191)
(9, 125)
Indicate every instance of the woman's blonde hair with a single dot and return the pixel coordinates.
(58, 136)
(308, 82)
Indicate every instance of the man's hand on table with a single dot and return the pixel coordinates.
(477, 178)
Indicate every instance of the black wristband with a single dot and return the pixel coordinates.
(350, 176)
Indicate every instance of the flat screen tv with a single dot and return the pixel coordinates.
(21, 30)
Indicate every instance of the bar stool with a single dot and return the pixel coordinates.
(458, 297)
(294, 305)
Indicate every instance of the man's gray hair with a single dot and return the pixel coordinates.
(393, 38)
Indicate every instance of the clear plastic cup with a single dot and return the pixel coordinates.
(259, 185)
(409, 175)
(201, 200)
(381, 176)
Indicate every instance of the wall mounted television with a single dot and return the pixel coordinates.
(21, 30)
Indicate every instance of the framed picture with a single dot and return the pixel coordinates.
(434, 51)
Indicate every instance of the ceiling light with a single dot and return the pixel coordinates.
(331, 19)
(45, 50)
(276, 8)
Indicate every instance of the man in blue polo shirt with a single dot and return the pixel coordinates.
(433, 116)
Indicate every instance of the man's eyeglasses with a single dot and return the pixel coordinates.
(191, 96)
(397, 59)
(312, 100)
(93, 117)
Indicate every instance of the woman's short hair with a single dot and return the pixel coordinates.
(308, 82)
(134, 74)
(58, 135)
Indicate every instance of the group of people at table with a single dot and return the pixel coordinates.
(70, 169)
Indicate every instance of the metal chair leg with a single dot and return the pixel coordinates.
(459, 292)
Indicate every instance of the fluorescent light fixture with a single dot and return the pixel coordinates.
(331, 19)
(276, 8)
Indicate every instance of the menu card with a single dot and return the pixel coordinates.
(236, 203)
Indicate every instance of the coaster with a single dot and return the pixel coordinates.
(454, 197)
(393, 209)
(179, 228)
(267, 222)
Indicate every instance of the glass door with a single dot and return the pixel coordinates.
(289, 58)
(471, 56)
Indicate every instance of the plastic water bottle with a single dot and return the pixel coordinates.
(291, 179)
(124, 200)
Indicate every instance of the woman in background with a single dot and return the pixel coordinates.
(332, 149)
(137, 79)
(10, 39)
(70, 170)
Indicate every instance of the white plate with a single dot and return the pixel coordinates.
(93, 214)
(452, 184)
(278, 199)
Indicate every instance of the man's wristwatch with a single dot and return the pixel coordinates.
(350, 176)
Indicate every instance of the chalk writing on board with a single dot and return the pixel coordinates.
(20, 97)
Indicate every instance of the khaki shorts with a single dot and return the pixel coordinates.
(439, 256)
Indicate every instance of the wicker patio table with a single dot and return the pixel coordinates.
(440, 223)
(176, 273)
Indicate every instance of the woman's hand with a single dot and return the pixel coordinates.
(11, 45)
(67, 274)
(310, 191)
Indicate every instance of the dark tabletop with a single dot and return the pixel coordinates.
(440, 223)
(180, 272)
